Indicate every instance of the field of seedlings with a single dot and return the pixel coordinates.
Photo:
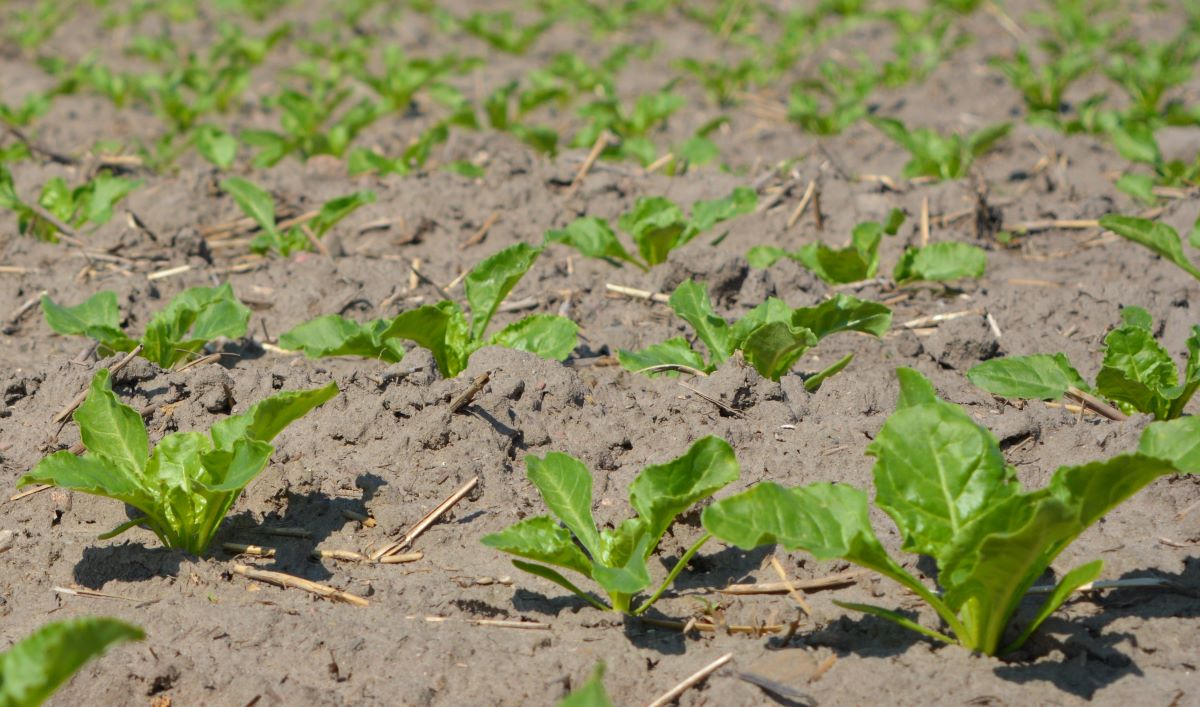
(730, 352)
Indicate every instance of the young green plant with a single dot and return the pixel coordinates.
(188, 482)
(443, 328)
(943, 480)
(615, 559)
(940, 156)
(259, 205)
(37, 665)
(771, 337)
(1137, 373)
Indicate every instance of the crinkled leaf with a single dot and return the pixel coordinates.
(110, 429)
(621, 567)
(203, 312)
(1037, 377)
(1177, 441)
(253, 200)
(691, 303)
(844, 313)
(663, 491)
(593, 238)
(855, 262)
(656, 225)
(490, 281)
(1136, 370)
(334, 335)
(672, 352)
(269, 416)
(442, 329)
(1158, 237)
(566, 487)
(769, 311)
(773, 348)
(544, 540)
(941, 262)
(97, 318)
(547, 335)
(33, 668)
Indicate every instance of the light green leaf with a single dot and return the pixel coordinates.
(337, 209)
(217, 146)
(97, 318)
(941, 262)
(672, 352)
(764, 256)
(706, 214)
(490, 281)
(33, 668)
(89, 474)
(593, 238)
(691, 303)
(1136, 370)
(813, 383)
(773, 348)
(566, 487)
(269, 416)
(1036, 377)
(1177, 441)
(203, 312)
(1071, 581)
(556, 577)
(254, 201)
(896, 618)
(541, 539)
(621, 567)
(106, 191)
(657, 226)
(844, 313)
(547, 335)
(663, 491)
(590, 694)
(1158, 237)
(442, 329)
(333, 335)
(110, 429)
(915, 389)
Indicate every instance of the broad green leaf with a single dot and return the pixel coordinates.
(89, 474)
(915, 389)
(566, 487)
(672, 352)
(1136, 370)
(337, 209)
(106, 191)
(1036, 377)
(844, 313)
(593, 238)
(547, 335)
(441, 328)
(941, 262)
(1136, 317)
(691, 303)
(1139, 186)
(1158, 237)
(656, 225)
(706, 214)
(490, 281)
(773, 348)
(110, 429)
(217, 146)
(541, 539)
(253, 200)
(590, 694)
(937, 472)
(769, 311)
(1095, 489)
(621, 567)
(33, 668)
(813, 383)
(663, 491)
(333, 335)
(764, 256)
(983, 139)
(203, 312)
(231, 470)
(269, 416)
(1071, 581)
(850, 264)
(173, 471)
(1177, 441)
(97, 318)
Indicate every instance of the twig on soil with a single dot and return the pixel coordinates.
(70, 408)
(672, 367)
(1181, 514)
(823, 668)
(243, 549)
(601, 143)
(421, 276)
(480, 234)
(90, 593)
(210, 358)
(29, 492)
(168, 272)
(709, 628)
(501, 623)
(1090, 401)
(694, 679)
(804, 201)
(636, 293)
(936, 319)
(422, 525)
(924, 221)
(658, 163)
(25, 307)
(347, 555)
(288, 581)
(367, 521)
(1077, 409)
(809, 585)
(791, 590)
(1050, 224)
(401, 558)
(469, 394)
(732, 411)
(282, 532)
(818, 218)
(35, 146)
(16, 270)
(518, 305)
(313, 240)
(1176, 544)
(993, 325)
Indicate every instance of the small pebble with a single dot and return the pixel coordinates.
(6, 540)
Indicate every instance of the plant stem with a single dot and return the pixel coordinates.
(683, 562)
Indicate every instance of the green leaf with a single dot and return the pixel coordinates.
(490, 281)
(941, 262)
(936, 473)
(269, 416)
(110, 429)
(203, 312)
(1071, 581)
(1136, 371)
(33, 668)
(656, 225)
(672, 352)
(1158, 237)
(593, 238)
(557, 578)
(97, 318)
(106, 191)
(663, 491)
(706, 214)
(333, 335)
(337, 209)
(217, 146)
(813, 383)
(773, 348)
(915, 389)
(541, 539)
(590, 694)
(253, 200)
(442, 329)
(89, 474)
(983, 139)
(844, 313)
(547, 335)
(1177, 441)
(764, 256)
(896, 618)
(566, 487)
(1036, 377)
(691, 303)
(1139, 186)
(1136, 317)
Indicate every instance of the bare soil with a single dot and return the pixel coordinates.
(387, 446)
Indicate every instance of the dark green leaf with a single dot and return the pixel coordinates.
(813, 383)
(97, 318)
(254, 201)
(663, 491)
(333, 335)
(269, 416)
(1158, 237)
(590, 694)
(110, 429)
(844, 313)
(442, 329)
(915, 389)
(691, 303)
(566, 487)
(773, 348)
(656, 225)
(593, 238)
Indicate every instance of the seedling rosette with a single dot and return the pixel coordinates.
(188, 482)
(942, 479)
(613, 558)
